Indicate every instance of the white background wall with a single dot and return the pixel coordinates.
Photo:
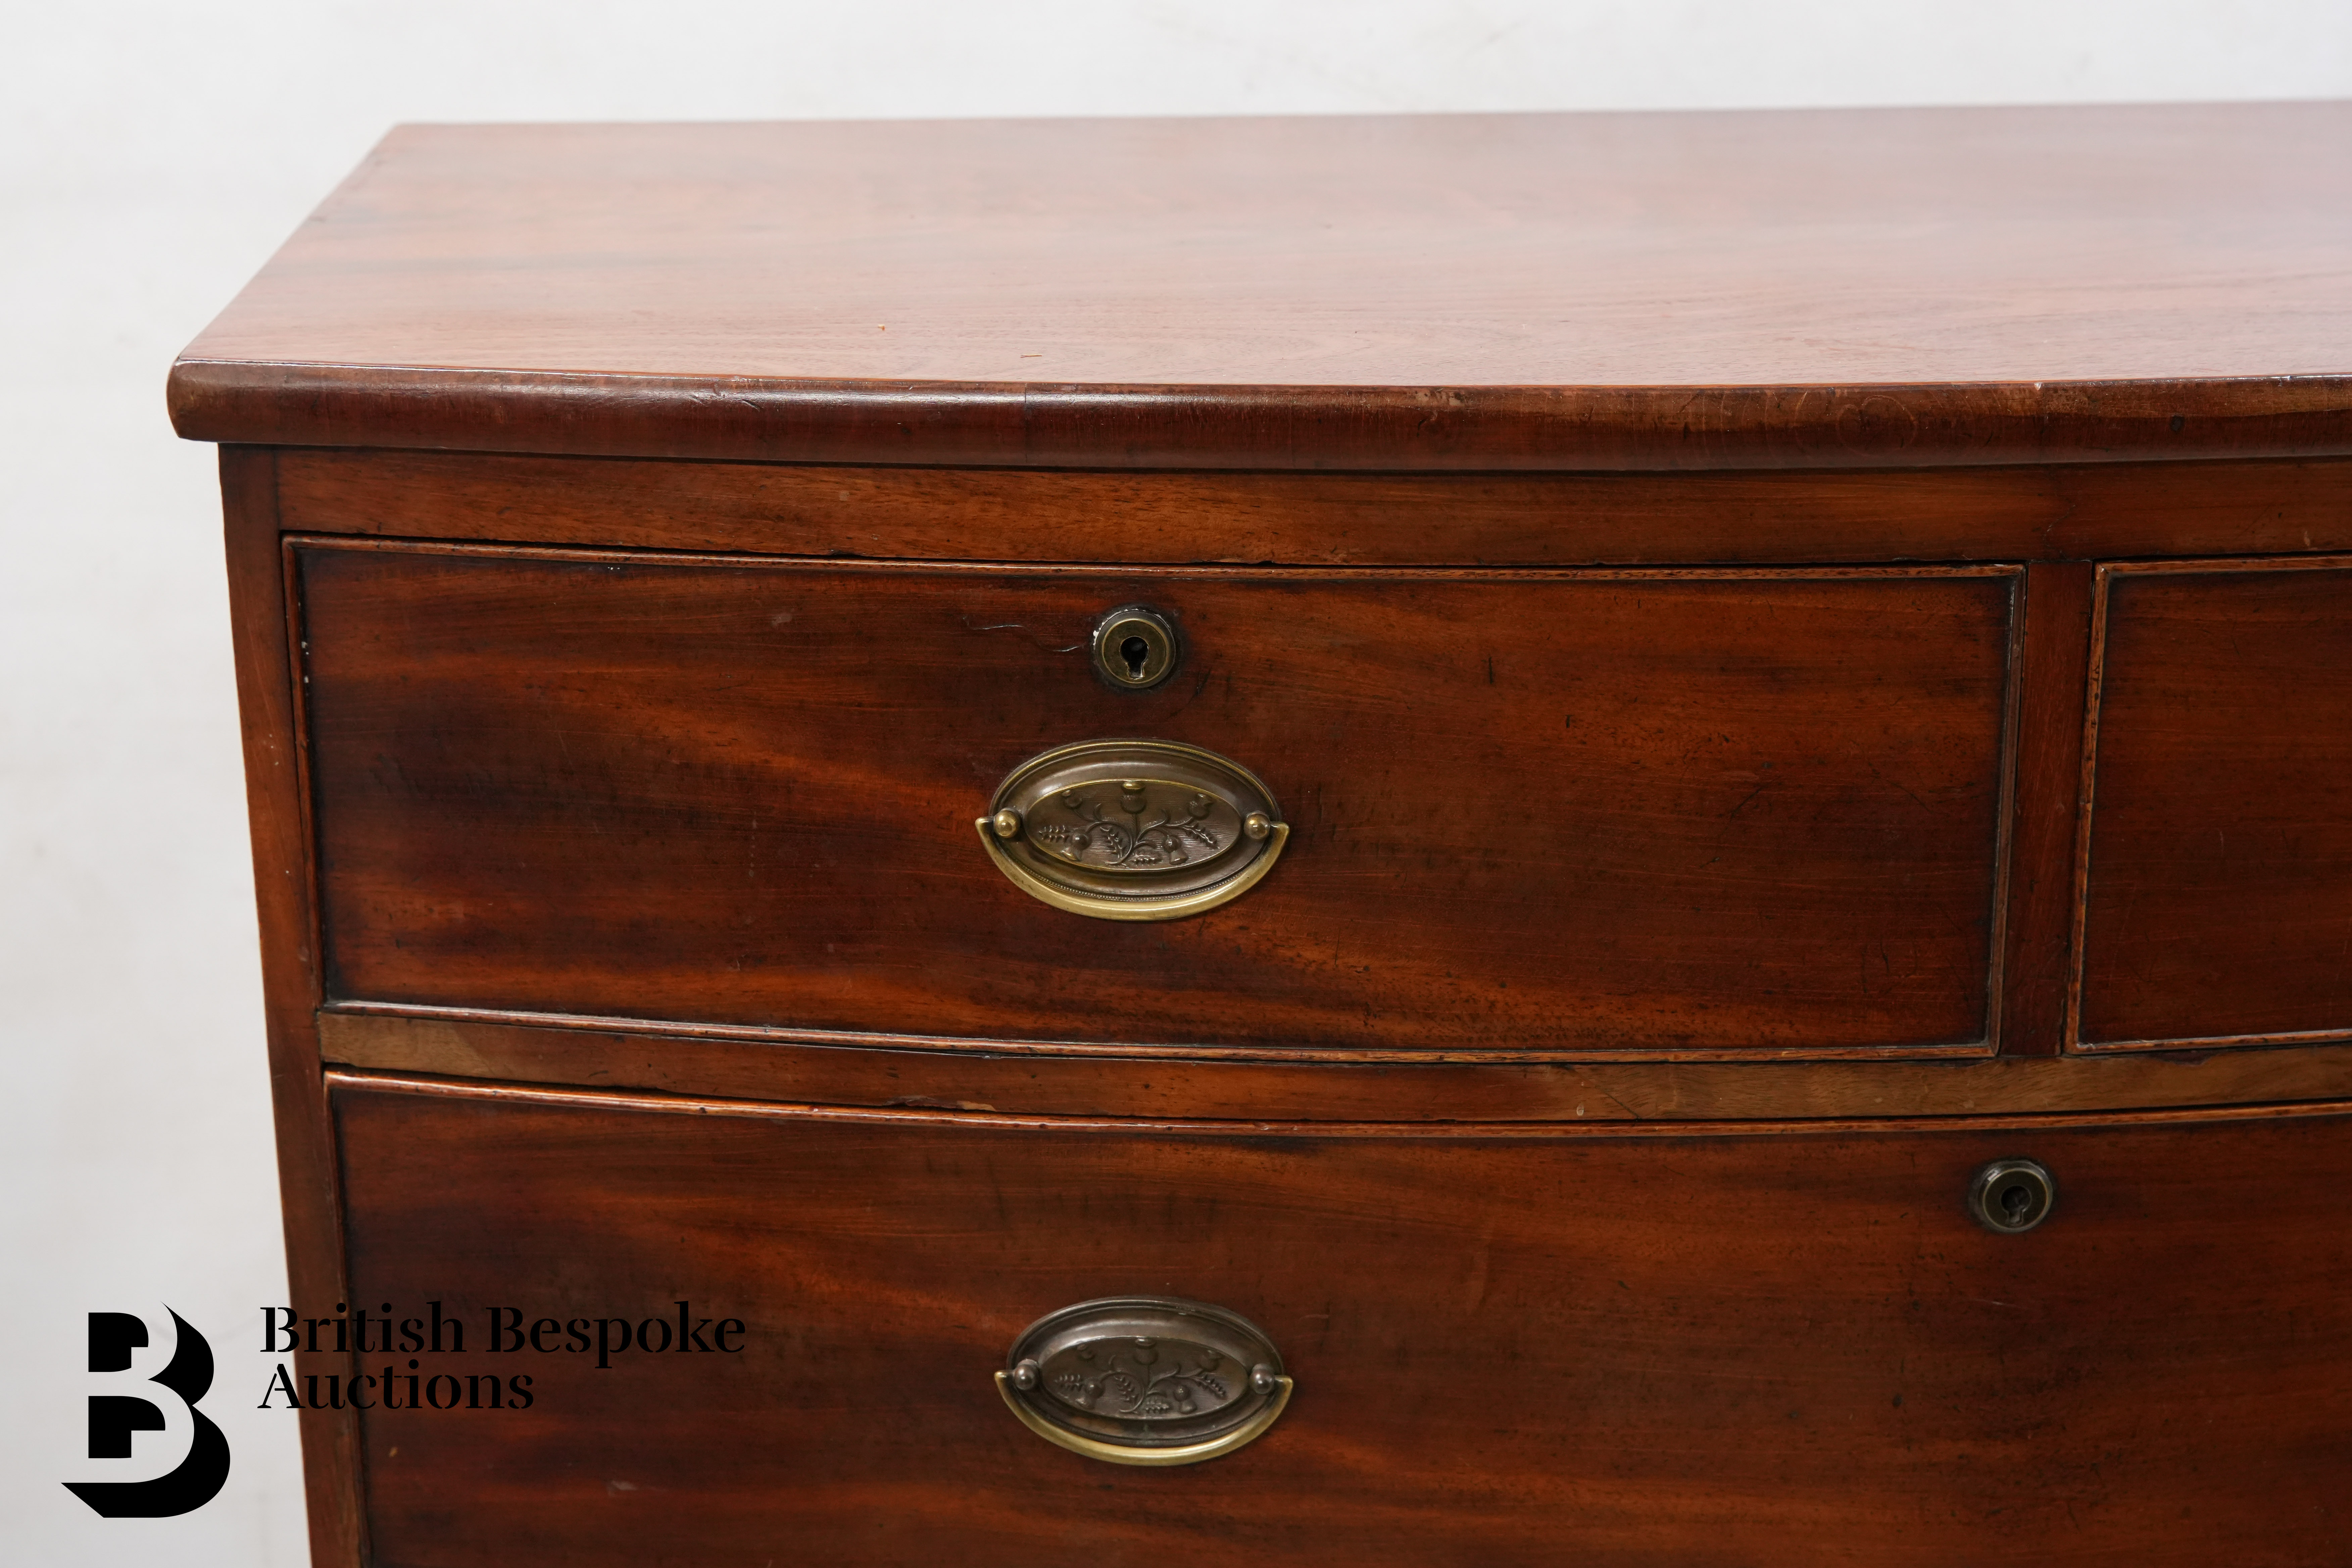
(153, 154)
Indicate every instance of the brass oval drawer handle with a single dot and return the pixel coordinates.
(1133, 830)
(1145, 1380)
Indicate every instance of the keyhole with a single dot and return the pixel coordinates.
(2011, 1196)
(1133, 648)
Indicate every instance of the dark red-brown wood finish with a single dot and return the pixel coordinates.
(2221, 847)
(1175, 519)
(1684, 811)
(285, 894)
(1720, 1346)
(1798, 655)
(1486, 292)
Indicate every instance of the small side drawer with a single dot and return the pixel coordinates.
(1713, 1349)
(2218, 909)
(1698, 812)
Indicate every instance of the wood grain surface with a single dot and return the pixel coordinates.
(1327, 520)
(291, 980)
(1711, 813)
(1695, 583)
(1618, 1350)
(887, 1072)
(2038, 927)
(1687, 290)
(2218, 902)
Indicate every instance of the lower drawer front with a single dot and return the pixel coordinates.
(1733, 1348)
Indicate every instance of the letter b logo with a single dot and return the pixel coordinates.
(114, 1417)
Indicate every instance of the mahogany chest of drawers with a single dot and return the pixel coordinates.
(1468, 841)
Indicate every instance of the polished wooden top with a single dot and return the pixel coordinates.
(1660, 291)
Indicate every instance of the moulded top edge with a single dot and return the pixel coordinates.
(1270, 427)
(1830, 289)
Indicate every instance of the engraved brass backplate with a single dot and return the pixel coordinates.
(1133, 830)
(1145, 1380)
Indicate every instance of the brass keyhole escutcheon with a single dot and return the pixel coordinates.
(2011, 1197)
(1135, 648)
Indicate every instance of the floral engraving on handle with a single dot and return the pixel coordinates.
(1145, 1380)
(1173, 838)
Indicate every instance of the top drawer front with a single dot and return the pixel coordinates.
(1576, 811)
